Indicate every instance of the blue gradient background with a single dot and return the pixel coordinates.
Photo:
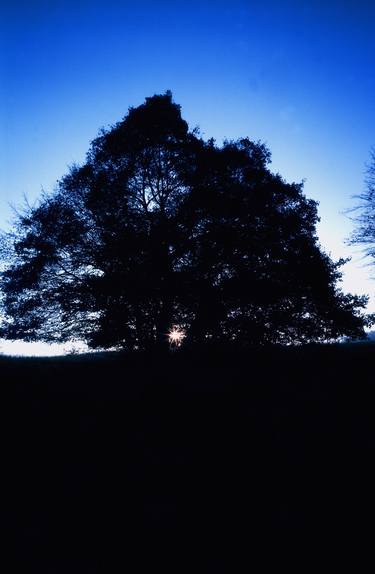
(298, 75)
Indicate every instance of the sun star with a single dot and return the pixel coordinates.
(176, 336)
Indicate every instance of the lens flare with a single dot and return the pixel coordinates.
(175, 336)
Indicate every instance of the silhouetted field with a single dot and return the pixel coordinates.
(115, 462)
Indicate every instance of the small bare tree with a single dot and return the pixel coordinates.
(364, 213)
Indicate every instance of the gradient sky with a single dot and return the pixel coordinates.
(296, 74)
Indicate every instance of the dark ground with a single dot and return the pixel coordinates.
(187, 462)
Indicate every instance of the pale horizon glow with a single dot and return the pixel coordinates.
(34, 349)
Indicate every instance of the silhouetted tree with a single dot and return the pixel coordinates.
(259, 273)
(364, 233)
(159, 227)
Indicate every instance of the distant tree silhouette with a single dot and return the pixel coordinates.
(364, 233)
(160, 228)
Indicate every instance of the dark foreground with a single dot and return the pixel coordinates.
(193, 462)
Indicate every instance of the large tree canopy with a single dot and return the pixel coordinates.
(162, 228)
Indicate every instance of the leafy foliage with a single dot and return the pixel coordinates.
(160, 228)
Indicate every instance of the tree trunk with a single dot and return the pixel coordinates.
(163, 325)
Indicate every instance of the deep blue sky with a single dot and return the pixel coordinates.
(299, 75)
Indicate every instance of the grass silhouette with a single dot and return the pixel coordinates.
(111, 458)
